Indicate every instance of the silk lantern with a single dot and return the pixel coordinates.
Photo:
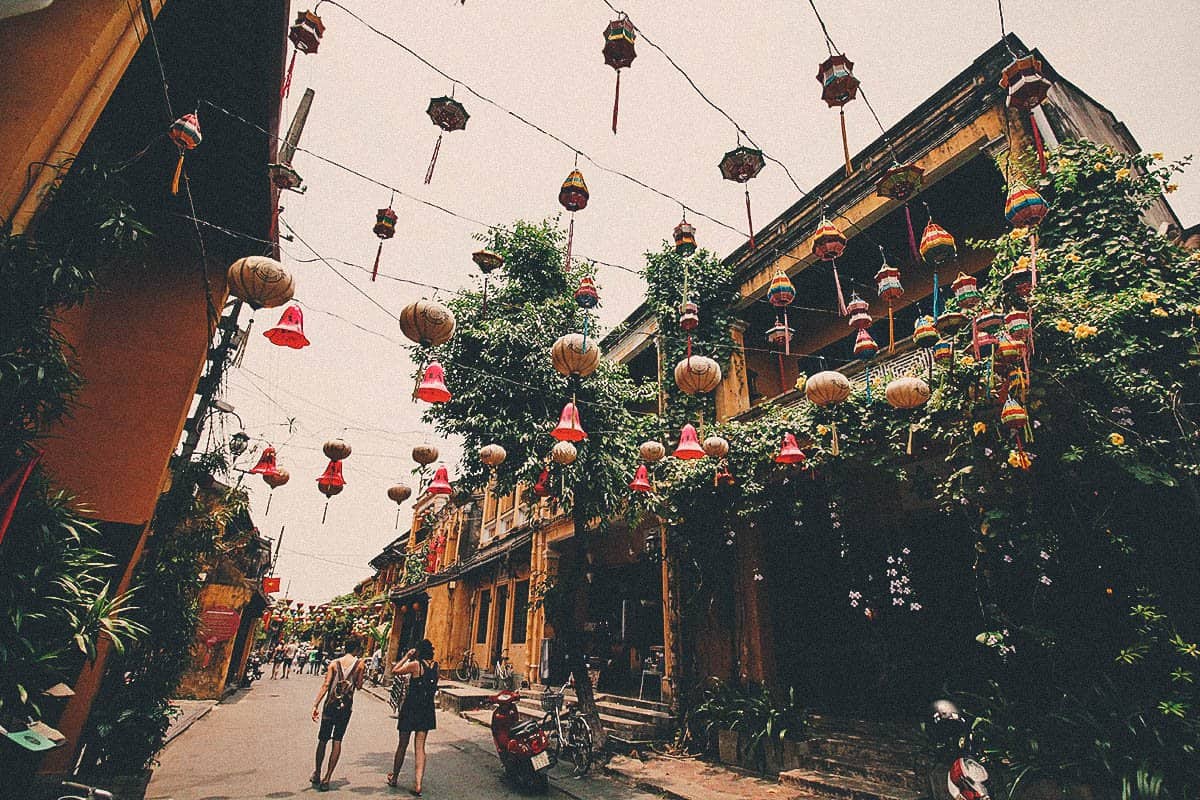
(839, 87)
(449, 115)
(619, 53)
(741, 165)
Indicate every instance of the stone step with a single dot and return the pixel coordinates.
(650, 705)
(625, 727)
(850, 747)
(646, 715)
(887, 774)
(843, 787)
(822, 724)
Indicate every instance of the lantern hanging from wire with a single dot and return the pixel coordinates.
(488, 262)
(641, 480)
(937, 248)
(492, 456)
(275, 479)
(305, 35)
(398, 494)
(330, 483)
(587, 297)
(902, 182)
(424, 454)
(569, 427)
(951, 319)
(336, 450)
(1025, 208)
(828, 245)
(651, 451)
(619, 53)
(907, 392)
(859, 313)
(266, 462)
(684, 236)
(289, 331)
(740, 165)
(432, 388)
(427, 322)
(449, 115)
(780, 335)
(441, 482)
(828, 388)
(185, 133)
(1014, 417)
(943, 350)
(887, 284)
(838, 87)
(262, 282)
(789, 451)
(966, 291)
(925, 333)
(1027, 87)
(689, 447)
(865, 349)
(385, 228)
(542, 487)
(781, 293)
(573, 196)
(563, 453)
(573, 356)
(697, 375)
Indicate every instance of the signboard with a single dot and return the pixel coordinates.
(271, 585)
(217, 625)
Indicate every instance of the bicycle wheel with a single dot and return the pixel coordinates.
(580, 735)
(553, 743)
(463, 673)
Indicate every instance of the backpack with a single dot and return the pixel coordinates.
(341, 691)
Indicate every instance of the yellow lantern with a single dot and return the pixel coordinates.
(716, 446)
(574, 355)
(826, 389)
(336, 450)
(427, 322)
(907, 392)
(697, 375)
(260, 281)
(652, 451)
(492, 455)
(425, 454)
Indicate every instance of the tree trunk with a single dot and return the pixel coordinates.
(566, 629)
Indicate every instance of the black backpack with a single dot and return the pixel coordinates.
(341, 690)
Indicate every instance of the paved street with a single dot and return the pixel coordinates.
(260, 745)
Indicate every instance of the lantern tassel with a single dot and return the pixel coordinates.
(287, 79)
(1032, 261)
(845, 141)
(834, 449)
(616, 102)
(570, 240)
(325, 512)
(483, 311)
(867, 378)
(975, 338)
(433, 161)
(837, 286)
(689, 349)
(178, 174)
(912, 237)
(268, 509)
(397, 519)
(585, 331)
(749, 219)
(935, 294)
(787, 336)
(378, 253)
(1037, 142)
(911, 427)
(782, 382)
(891, 331)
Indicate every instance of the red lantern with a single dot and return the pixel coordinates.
(570, 427)
(641, 480)
(789, 451)
(274, 479)
(306, 35)
(573, 196)
(266, 463)
(433, 385)
(441, 482)
(449, 115)
(289, 331)
(838, 87)
(385, 228)
(542, 487)
(740, 165)
(859, 312)
(619, 38)
(887, 283)
(330, 483)
(689, 444)
(586, 296)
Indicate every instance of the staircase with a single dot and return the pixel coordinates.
(855, 760)
(625, 718)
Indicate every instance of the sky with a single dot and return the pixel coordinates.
(543, 61)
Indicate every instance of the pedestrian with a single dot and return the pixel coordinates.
(416, 717)
(276, 660)
(314, 656)
(289, 655)
(376, 660)
(343, 677)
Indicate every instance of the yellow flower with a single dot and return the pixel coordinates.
(822, 430)
(1019, 233)
(1123, 174)
(966, 361)
(1116, 439)
(1157, 156)
(1196, 310)
(1063, 164)
(1158, 311)
(1149, 297)
(1100, 166)
(1020, 460)
(1084, 331)
(1064, 326)
(1170, 187)
(979, 427)
(1074, 258)
(1022, 263)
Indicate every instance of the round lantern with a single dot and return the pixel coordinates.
(492, 455)
(652, 451)
(425, 454)
(427, 322)
(277, 478)
(716, 446)
(827, 388)
(573, 355)
(858, 309)
(697, 375)
(563, 453)
(907, 392)
(336, 450)
(925, 333)
(399, 493)
(262, 282)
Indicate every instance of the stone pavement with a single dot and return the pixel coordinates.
(693, 779)
(189, 712)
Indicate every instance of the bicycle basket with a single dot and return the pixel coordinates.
(552, 701)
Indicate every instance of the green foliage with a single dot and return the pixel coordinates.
(749, 710)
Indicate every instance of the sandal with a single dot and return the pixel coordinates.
(324, 787)
(315, 780)
(391, 779)
(415, 792)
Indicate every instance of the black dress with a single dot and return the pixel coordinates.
(417, 713)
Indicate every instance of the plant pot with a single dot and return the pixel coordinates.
(792, 754)
(728, 748)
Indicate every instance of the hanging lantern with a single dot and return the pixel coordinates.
(1017, 324)
(492, 455)
(865, 347)
(988, 321)
(943, 350)
(185, 133)
(1013, 416)
(305, 34)
(697, 375)
(858, 310)
(385, 228)
(838, 87)
(262, 282)
(398, 494)
(951, 319)
(780, 294)
(887, 284)
(449, 115)
(1025, 208)
(563, 453)
(573, 196)
(586, 296)
(780, 335)
(723, 477)
(828, 245)
(1008, 349)
(789, 451)
(266, 463)
(967, 780)
(330, 483)
(542, 487)
(689, 444)
(937, 245)
(685, 237)
(901, 183)
(433, 385)
(427, 322)
(740, 165)
(1027, 88)
(966, 290)
(619, 38)
(689, 317)
(925, 334)
(289, 331)
(569, 428)
(651, 451)
(425, 454)
(488, 262)
(336, 450)
(573, 355)
(907, 392)
(825, 389)
(441, 482)
(275, 479)
(716, 446)
(238, 443)
(1019, 280)
(641, 480)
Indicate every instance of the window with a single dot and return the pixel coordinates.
(520, 612)
(485, 611)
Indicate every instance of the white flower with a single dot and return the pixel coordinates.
(914, 607)
(897, 601)
(1045, 579)
(1008, 559)
(758, 576)
(891, 560)
(987, 451)
(1044, 555)
(905, 551)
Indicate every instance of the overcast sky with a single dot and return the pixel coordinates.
(543, 60)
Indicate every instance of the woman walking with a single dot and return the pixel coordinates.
(417, 716)
(343, 677)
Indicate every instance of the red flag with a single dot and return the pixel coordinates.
(270, 585)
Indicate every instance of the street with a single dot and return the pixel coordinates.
(260, 743)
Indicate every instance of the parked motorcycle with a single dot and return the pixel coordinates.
(253, 671)
(522, 746)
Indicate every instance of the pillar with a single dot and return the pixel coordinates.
(733, 393)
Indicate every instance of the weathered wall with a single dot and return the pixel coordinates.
(206, 678)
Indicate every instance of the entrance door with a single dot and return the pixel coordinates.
(498, 641)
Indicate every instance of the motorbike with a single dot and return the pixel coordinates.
(253, 671)
(522, 746)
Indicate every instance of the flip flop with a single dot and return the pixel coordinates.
(415, 792)
(324, 787)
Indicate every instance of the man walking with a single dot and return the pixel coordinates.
(343, 677)
(289, 655)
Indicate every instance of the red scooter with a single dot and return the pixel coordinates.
(522, 746)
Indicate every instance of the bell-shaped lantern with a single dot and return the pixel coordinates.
(330, 483)
(441, 482)
(289, 331)
(266, 463)
(689, 444)
(542, 487)
(433, 385)
(570, 427)
(789, 451)
(641, 480)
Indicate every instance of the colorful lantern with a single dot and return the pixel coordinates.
(1013, 415)
(330, 483)
(289, 331)
(780, 294)
(586, 296)
(859, 312)
(715, 446)
(901, 183)
(641, 480)
(865, 348)
(1019, 280)
(570, 427)
(575, 356)
(449, 115)
(937, 245)
(740, 165)
(887, 284)
(838, 87)
(651, 451)
(828, 245)
(1027, 88)
(1025, 208)
(825, 389)
(305, 34)
(988, 320)
(789, 451)
(943, 350)
(185, 133)
(441, 482)
(1009, 349)
(907, 392)
(424, 454)
(262, 282)
(966, 290)
(427, 322)
(685, 237)
(266, 463)
(689, 444)
(925, 334)
(1017, 324)
(385, 228)
(619, 38)
(432, 388)
(492, 455)
(563, 453)
(697, 375)
(573, 196)
(951, 319)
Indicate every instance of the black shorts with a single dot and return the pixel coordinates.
(333, 728)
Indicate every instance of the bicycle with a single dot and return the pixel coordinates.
(468, 668)
(90, 792)
(569, 732)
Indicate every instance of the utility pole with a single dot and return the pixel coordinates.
(210, 381)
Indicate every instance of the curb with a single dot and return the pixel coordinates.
(189, 724)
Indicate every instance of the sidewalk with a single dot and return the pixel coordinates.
(189, 712)
(693, 779)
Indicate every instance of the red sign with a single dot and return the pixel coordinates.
(271, 585)
(219, 625)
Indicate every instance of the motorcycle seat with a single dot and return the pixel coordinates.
(522, 729)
